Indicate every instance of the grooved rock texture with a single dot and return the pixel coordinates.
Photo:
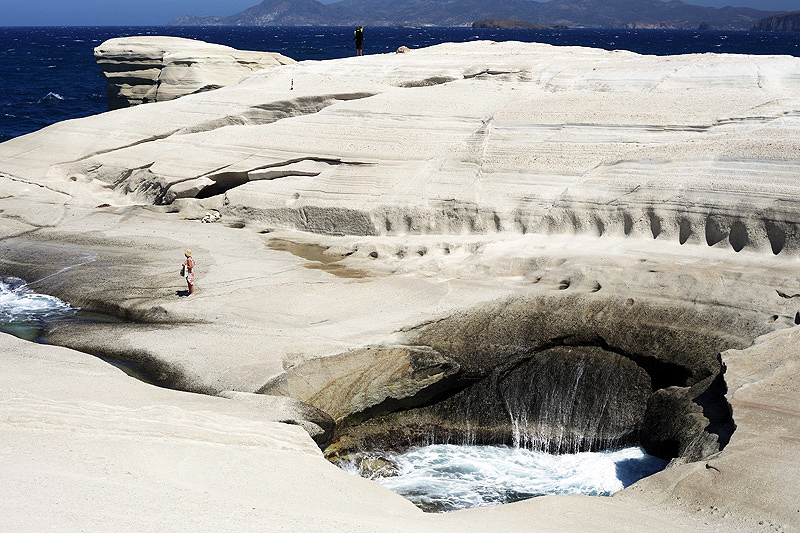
(139, 70)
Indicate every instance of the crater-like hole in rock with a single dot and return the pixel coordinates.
(544, 383)
(627, 224)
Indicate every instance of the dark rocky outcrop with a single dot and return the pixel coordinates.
(509, 24)
(784, 22)
(688, 422)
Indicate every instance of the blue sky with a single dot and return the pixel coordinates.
(155, 12)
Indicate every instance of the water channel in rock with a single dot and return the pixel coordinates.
(27, 314)
(31, 316)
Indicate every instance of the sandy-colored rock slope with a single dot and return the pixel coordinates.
(440, 212)
(139, 70)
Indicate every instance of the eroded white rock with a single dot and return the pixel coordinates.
(466, 138)
(450, 180)
(139, 70)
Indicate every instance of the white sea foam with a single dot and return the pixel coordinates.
(447, 477)
(19, 304)
(50, 96)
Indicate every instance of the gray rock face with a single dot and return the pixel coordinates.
(688, 422)
(362, 383)
(139, 70)
(783, 22)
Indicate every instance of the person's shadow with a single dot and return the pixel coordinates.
(182, 293)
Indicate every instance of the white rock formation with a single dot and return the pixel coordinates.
(139, 70)
(434, 187)
(532, 138)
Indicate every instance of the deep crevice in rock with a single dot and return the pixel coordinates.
(655, 223)
(223, 182)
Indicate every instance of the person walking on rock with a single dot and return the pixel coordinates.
(358, 37)
(187, 271)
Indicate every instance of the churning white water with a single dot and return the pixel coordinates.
(24, 312)
(446, 477)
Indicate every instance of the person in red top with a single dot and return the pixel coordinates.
(188, 271)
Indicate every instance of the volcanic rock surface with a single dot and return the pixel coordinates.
(401, 236)
(139, 70)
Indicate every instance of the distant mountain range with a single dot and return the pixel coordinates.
(785, 22)
(572, 13)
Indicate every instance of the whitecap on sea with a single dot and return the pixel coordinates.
(51, 96)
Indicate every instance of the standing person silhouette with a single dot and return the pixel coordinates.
(358, 37)
(187, 271)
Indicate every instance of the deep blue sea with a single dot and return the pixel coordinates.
(49, 74)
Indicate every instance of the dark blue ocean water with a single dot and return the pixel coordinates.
(49, 74)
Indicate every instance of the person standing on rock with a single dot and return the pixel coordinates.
(358, 37)
(187, 271)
